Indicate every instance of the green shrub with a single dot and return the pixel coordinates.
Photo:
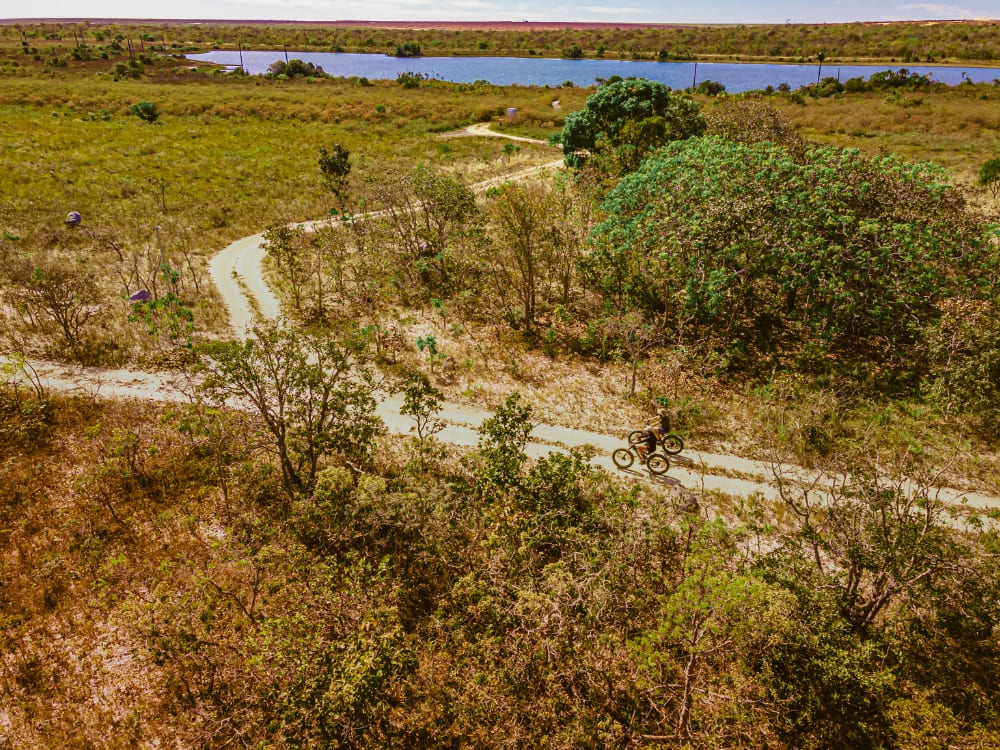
(121, 71)
(771, 252)
(295, 68)
(710, 88)
(409, 49)
(147, 111)
(410, 80)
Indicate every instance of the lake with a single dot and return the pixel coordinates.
(528, 71)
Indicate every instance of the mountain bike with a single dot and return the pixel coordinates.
(671, 443)
(625, 457)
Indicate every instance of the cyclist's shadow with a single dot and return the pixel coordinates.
(665, 479)
(681, 460)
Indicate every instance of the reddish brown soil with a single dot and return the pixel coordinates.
(450, 25)
(453, 25)
(431, 25)
(502, 25)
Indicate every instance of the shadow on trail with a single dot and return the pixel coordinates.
(681, 460)
(686, 501)
(664, 479)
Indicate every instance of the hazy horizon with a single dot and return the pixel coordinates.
(634, 11)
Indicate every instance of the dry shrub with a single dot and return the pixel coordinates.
(751, 121)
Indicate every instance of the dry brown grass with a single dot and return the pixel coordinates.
(492, 361)
(958, 128)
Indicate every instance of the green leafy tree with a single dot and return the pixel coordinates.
(429, 344)
(295, 68)
(330, 686)
(826, 686)
(754, 251)
(538, 232)
(556, 499)
(408, 49)
(521, 257)
(422, 402)
(502, 440)
(335, 167)
(895, 79)
(166, 315)
(634, 336)
(626, 119)
(965, 361)
(704, 633)
(989, 176)
(872, 538)
(427, 214)
(710, 88)
(309, 389)
(865, 552)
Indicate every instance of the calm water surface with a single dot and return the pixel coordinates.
(527, 71)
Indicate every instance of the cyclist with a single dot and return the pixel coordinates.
(653, 433)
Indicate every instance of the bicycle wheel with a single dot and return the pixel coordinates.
(623, 458)
(672, 444)
(636, 436)
(657, 464)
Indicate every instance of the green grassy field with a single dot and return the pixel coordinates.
(228, 157)
(240, 149)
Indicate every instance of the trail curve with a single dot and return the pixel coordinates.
(238, 274)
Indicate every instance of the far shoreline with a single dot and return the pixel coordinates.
(990, 54)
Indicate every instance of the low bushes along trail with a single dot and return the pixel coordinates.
(238, 274)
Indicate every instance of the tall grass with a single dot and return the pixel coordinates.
(248, 145)
(229, 156)
(904, 42)
(957, 127)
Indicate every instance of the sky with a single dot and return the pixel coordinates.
(615, 11)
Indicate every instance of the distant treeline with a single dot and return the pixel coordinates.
(905, 42)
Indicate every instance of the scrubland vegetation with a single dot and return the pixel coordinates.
(227, 157)
(924, 42)
(161, 585)
(286, 574)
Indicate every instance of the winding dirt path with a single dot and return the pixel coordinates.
(482, 129)
(238, 275)
(237, 272)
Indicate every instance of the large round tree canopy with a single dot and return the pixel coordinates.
(748, 246)
(624, 120)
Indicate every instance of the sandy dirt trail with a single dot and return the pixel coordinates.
(238, 275)
(237, 272)
(690, 473)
